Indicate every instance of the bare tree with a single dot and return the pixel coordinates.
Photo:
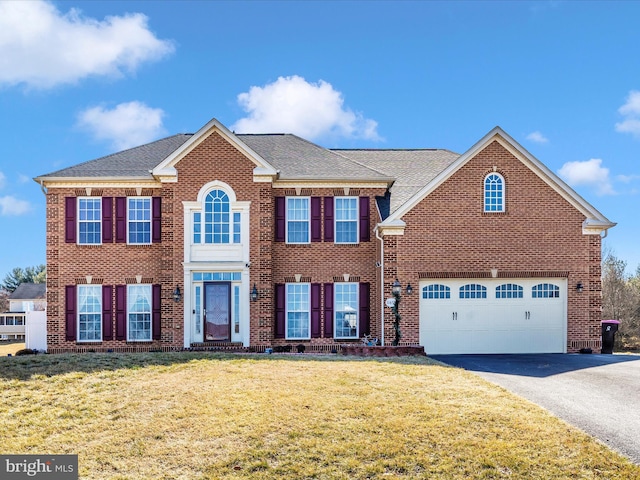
(621, 299)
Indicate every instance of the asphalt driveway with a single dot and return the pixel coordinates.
(599, 394)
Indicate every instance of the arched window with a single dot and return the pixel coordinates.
(473, 290)
(545, 290)
(218, 225)
(436, 290)
(494, 193)
(509, 290)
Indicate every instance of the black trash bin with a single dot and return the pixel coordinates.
(609, 329)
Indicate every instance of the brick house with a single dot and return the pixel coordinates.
(222, 240)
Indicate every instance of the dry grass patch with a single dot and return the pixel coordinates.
(201, 416)
(10, 347)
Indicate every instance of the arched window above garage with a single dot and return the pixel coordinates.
(494, 193)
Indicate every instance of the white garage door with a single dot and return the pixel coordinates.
(493, 315)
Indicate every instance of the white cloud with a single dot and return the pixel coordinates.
(537, 137)
(125, 126)
(631, 113)
(310, 110)
(43, 47)
(627, 178)
(3, 180)
(589, 173)
(22, 178)
(12, 206)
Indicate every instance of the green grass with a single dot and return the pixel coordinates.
(205, 416)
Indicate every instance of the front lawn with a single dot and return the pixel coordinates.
(207, 416)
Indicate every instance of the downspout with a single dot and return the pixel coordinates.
(43, 188)
(381, 285)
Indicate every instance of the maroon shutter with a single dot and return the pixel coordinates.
(315, 310)
(107, 220)
(107, 312)
(365, 226)
(280, 311)
(365, 315)
(328, 219)
(121, 219)
(328, 310)
(70, 219)
(156, 325)
(156, 214)
(316, 219)
(121, 312)
(280, 219)
(70, 312)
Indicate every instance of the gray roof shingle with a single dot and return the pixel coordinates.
(134, 162)
(29, 291)
(297, 158)
(412, 169)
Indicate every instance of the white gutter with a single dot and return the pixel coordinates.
(381, 286)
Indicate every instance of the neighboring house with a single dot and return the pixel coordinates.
(26, 298)
(217, 239)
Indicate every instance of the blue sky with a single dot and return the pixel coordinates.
(82, 79)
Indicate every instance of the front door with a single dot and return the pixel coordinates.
(217, 312)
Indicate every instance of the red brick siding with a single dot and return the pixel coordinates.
(540, 232)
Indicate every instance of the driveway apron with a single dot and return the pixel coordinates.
(599, 394)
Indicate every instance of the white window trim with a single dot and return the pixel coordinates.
(78, 221)
(235, 206)
(335, 220)
(78, 313)
(129, 339)
(150, 220)
(286, 220)
(484, 193)
(335, 311)
(286, 312)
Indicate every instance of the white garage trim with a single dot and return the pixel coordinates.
(504, 315)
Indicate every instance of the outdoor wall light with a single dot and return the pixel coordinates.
(579, 287)
(254, 293)
(177, 295)
(409, 289)
(396, 287)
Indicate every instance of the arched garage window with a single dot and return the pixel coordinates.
(473, 290)
(509, 290)
(545, 290)
(494, 193)
(436, 291)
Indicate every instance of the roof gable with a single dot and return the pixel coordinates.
(133, 163)
(594, 223)
(165, 171)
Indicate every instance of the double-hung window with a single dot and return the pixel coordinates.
(139, 220)
(139, 303)
(89, 313)
(89, 220)
(298, 317)
(346, 310)
(298, 220)
(346, 218)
